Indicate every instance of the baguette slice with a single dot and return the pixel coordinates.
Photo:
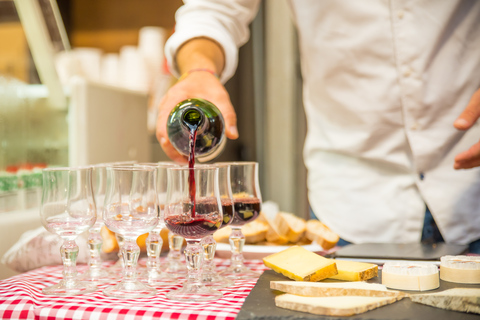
(332, 306)
(273, 235)
(290, 225)
(355, 271)
(458, 299)
(222, 235)
(254, 232)
(331, 289)
(321, 234)
(299, 264)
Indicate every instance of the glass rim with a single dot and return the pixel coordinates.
(65, 169)
(195, 168)
(132, 168)
(111, 164)
(237, 163)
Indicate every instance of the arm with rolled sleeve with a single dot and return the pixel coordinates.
(207, 35)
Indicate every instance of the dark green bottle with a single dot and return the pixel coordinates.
(201, 119)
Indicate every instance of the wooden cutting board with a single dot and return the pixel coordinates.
(260, 304)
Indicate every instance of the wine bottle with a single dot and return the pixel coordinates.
(202, 118)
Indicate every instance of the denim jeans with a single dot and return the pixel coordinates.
(430, 233)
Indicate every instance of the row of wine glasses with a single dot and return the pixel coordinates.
(143, 198)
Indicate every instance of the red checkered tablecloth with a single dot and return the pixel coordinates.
(21, 298)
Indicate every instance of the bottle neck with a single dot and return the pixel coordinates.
(193, 118)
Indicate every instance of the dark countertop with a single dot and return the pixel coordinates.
(260, 304)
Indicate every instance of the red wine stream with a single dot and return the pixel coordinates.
(191, 164)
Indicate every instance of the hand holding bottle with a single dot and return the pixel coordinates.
(196, 54)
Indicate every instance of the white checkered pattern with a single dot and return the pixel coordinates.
(21, 298)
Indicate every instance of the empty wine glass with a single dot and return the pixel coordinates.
(210, 277)
(68, 209)
(95, 273)
(130, 209)
(154, 242)
(193, 211)
(247, 204)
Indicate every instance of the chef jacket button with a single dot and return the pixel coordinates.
(414, 126)
(421, 176)
(400, 14)
(407, 72)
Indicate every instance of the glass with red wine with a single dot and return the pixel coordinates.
(247, 202)
(210, 276)
(193, 210)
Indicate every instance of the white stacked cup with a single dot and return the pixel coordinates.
(134, 73)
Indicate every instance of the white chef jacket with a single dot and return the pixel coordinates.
(383, 82)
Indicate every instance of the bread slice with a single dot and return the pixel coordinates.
(458, 299)
(222, 235)
(332, 306)
(332, 289)
(290, 225)
(321, 234)
(254, 232)
(273, 235)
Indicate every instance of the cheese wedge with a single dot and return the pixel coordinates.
(299, 264)
(458, 299)
(410, 276)
(332, 306)
(332, 289)
(460, 269)
(290, 225)
(355, 271)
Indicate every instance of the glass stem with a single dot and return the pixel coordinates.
(69, 252)
(194, 259)
(120, 241)
(154, 247)
(130, 252)
(237, 241)
(94, 246)
(209, 246)
(175, 244)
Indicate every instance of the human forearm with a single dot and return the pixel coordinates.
(200, 53)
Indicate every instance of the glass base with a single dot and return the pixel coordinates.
(175, 269)
(239, 272)
(70, 288)
(213, 279)
(97, 276)
(157, 278)
(194, 292)
(129, 290)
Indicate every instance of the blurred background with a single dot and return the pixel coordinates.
(80, 79)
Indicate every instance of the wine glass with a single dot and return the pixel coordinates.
(247, 202)
(154, 242)
(193, 211)
(210, 277)
(95, 273)
(130, 209)
(174, 265)
(68, 209)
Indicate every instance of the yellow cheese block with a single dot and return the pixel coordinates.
(299, 264)
(355, 271)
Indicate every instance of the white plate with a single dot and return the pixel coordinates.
(252, 251)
